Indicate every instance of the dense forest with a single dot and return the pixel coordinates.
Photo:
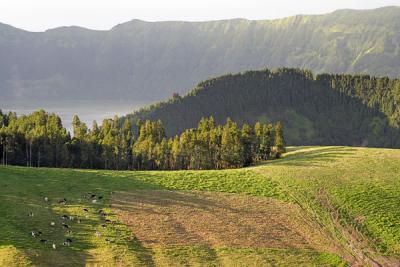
(39, 139)
(326, 109)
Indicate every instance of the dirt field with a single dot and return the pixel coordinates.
(165, 218)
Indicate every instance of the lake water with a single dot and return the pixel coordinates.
(86, 110)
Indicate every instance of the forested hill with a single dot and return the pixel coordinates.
(149, 61)
(323, 110)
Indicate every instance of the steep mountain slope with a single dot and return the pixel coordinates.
(141, 60)
(326, 109)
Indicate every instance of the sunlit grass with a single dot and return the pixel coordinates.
(362, 184)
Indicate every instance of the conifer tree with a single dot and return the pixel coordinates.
(231, 147)
(248, 142)
(279, 140)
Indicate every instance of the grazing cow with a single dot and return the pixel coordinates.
(33, 234)
(100, 197)
(108, 240)
(67, 243)
(63, 201)
(43, 241)
(65, 226)
(94, 201)
(85, 210)
(54, 246)
(71, 218)
(93, 196)
(65, 217)
(30, 214)
(52, 223)
(107, 221)
(103, 225)
(69, 232)
(39, 233)
(46, 199)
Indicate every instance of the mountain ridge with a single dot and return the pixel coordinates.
(148, 61)
(204, 21)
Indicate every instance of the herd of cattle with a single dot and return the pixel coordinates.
(68, 222)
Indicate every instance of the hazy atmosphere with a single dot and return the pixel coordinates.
(40, 15)
(199, 133)
(138, 63)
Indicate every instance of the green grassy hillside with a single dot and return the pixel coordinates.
(317, 206)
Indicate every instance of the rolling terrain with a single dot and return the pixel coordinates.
(147, 61)
(324, 109)
(316, 206)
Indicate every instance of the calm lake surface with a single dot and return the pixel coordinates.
(86, 110)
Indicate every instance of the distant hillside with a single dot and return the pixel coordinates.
(324, 110)
(149, 61)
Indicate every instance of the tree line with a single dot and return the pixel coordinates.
(40, 140)
(324, 109)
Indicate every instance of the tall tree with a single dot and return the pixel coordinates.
(279, 140)
(231, 146)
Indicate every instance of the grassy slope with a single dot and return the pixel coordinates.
(340, 187)
(361, 184)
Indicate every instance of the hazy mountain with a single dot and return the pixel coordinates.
(357, 110)
(141, 60)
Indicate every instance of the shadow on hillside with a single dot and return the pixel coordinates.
(25, 192)
(145, 255)
(167, 198)
(316, 157)
(208, 220)
(17, 229)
